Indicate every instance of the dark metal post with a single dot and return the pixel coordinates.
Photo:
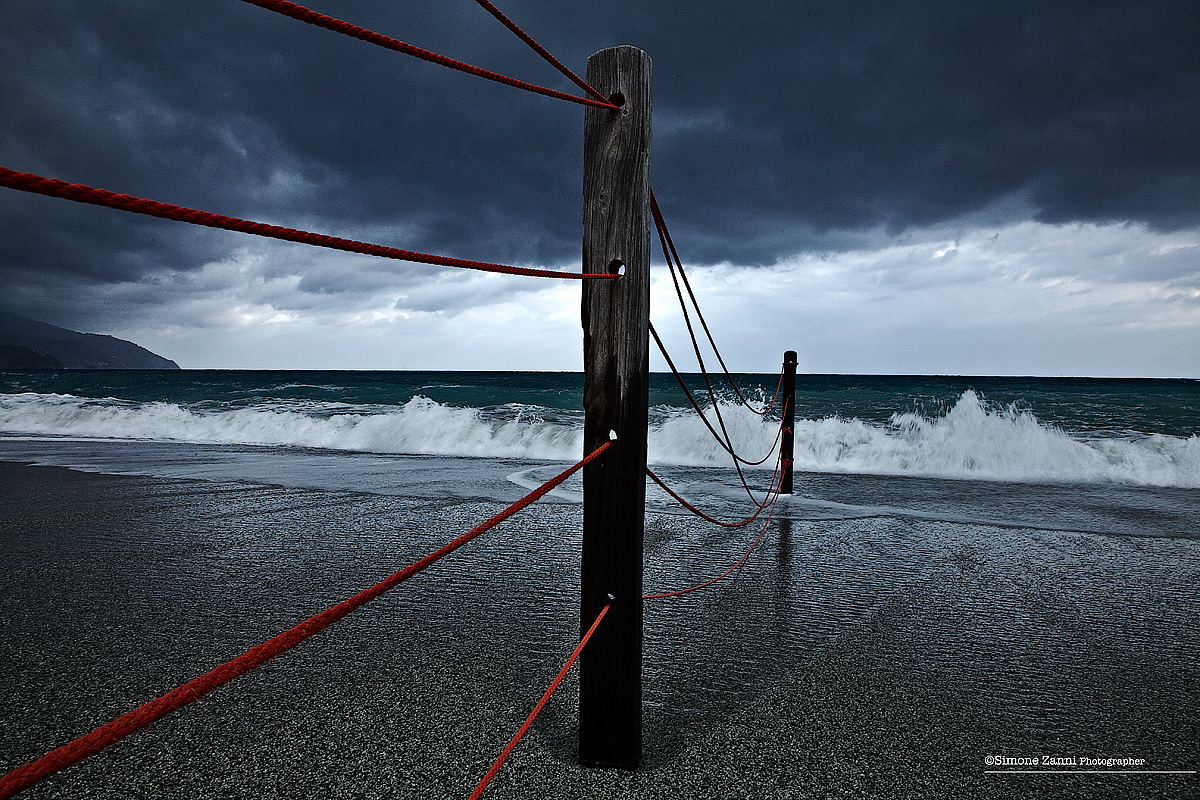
(789, 420)
(616, 314)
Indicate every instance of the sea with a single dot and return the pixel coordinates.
(1112, 456)
(970, 571)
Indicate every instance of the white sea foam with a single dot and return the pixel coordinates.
(970, 441)
(1008, 444)
(419, 426)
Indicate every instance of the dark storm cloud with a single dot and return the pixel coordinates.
(780, 127)
(910, 114)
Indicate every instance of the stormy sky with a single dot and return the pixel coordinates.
(920, 187)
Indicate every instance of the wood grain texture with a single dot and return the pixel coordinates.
(615, 314)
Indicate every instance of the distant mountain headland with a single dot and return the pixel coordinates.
(28, 344)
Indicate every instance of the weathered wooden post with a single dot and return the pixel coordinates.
(616, 314)
(787, 444)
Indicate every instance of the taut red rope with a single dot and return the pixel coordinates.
(74, 752)
(303, 14)
(541, 51)
(537, 709)
(82, 193)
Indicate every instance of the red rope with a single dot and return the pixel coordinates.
(82, 193)
(74, 752)
(725, 444)
(303, 14)
(712, 395)
(774, 500)
(673, 260)
(690, 507)
(541, 51)
(724, 439)
(512, 743)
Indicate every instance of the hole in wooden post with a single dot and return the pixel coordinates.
(617, 99)
(616, 267)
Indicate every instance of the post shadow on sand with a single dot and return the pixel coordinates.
(684, 703)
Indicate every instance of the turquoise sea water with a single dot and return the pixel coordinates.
(1036, 429)
(1066, 453)
(1081, 405)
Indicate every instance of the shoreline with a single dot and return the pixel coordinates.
(879, 658)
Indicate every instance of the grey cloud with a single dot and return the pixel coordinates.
(783, 127)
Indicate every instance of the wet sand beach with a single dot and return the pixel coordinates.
(874, 657)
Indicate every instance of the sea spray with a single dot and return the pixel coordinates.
(971, 439)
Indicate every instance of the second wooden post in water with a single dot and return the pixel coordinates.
(789, 421)
(616, 314)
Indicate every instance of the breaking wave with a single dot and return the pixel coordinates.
(969, 441)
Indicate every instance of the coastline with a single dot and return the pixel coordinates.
(857, 658)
